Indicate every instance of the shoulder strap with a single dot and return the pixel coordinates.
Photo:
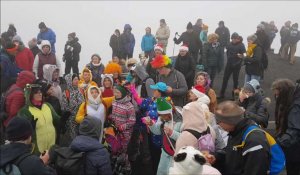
(249, 130)
(198, 134)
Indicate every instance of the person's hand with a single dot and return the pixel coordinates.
(174, 39)
(240, 55)
(168, 131)
(148, 121)
(211, 159)
(45, 157)
(169, 89)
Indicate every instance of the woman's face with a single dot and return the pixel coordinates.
(158, 52)
(192, 96)
(46, 49)
(38, 96)
(182, 53)
(156, 94)
(165, 117)
(200, 80)
(94, 93)
(55, 75)
(117, 94)
(95, 60)
(86, 77)
(50, 91)
(75, 81)
(107, 83)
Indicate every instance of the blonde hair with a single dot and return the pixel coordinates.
(212, 37)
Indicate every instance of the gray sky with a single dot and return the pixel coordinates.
(94, 22)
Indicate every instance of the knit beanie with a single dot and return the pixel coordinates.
(72, 35)
(235, 35)
(163, 107)
(229, 112)
(184, 48)
(252, 86)
(18, 129)
(189, 26)
(252, 37)
(159, 47)
(122, 90)
(74, 75)
(90, 126)
(161, 86)
(17, 38)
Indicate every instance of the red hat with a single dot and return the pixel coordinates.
(184, 47)
(159, 47)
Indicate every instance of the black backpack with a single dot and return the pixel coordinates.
(69, 162)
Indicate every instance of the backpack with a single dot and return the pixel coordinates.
(205, 140)
(12, 168)
(5, 95)
(277, 161)
(69, 162)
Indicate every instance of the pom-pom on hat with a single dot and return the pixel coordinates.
(184, 48)
(112, 68)
(198, 90)
(163, 107)
(161, 61)
(159, 47)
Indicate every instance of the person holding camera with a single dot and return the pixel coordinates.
(71, 56)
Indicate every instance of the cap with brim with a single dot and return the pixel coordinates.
(159, 86)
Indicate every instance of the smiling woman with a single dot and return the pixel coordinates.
(94, 22)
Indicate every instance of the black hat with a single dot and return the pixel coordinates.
(42, 25)
(189, 26)
(235, 35)
(18, 129)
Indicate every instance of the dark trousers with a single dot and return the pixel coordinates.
(149, 54)
(292, 168)
(71, 64)
(235, 71)
(212, 71)
(195, 56)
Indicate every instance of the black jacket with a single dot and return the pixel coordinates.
(253, 64)
(256, 109)
(213, 56)
(224, 35)
(31, 165)
(192, 40)
(114, 43)
(35, 50)
(232, 51)
(263, 40)
(186, 65)
(72, 54)
(290, 139)
(253, 158)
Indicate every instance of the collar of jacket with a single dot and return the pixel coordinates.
(241, 126)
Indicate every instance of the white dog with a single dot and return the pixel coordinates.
(190, 161)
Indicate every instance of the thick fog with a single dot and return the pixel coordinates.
(94, 22)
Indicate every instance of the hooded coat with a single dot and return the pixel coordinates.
(72, 55)
(148, 42)
(48, 74)
(127, 41)
(44, 120)
(24, 58)
(50, 36)
(144, 81)
(97, 71)
(186, 65)
(83, 86)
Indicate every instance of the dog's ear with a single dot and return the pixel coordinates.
(180, 157)
(200, 159)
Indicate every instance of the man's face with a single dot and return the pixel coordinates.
(163, 71)
(161, 24)
(43, 30)
(70, 39)
(148, 31)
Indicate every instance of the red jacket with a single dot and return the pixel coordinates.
(25, 59)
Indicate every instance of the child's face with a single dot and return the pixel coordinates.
(94, 93)
(165, 117)
(117, 94)
(107, 83)
(156, 93)
(95, 60)
(75, 82)
(50, 91)
(192, 96)
(86, 77)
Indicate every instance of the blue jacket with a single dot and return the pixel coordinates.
(148, 42)
(97, 157)
(50, 36)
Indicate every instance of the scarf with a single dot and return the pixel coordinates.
(250, 49)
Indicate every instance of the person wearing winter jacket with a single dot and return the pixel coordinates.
(51, 76)
(45, 57)
(96, 67)
(127, 42)
(162, 34)
(115, 44)
(107, 83)
(97, 157)
(46, 34)
(85, 81)
(24, 57)
(235, 51)
(284, 33)
(32, 44)
(71, 56)
(287, 109)
(191, 39)
(19, 133)
(213, 56)
(224, 34)
(177, 86)
(251, 98)
(148, 42)
(43, 118)
(15, 95)
(291, 44)
(253, 59)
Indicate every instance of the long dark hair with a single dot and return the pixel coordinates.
(284, 101)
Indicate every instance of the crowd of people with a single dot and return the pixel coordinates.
(142, 116)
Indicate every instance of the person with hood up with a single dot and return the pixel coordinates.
(46, 34)
(123, 117)
(127, 42)
(186, 65)
(169, 126)
(15, 100)
(44, 57)
(18, 151)
(71, 101)
(24, 57)
(116, 70)
(148, 42)
(71, 56)
(11, 31)
(213, 56)
(191, 39)
(97, 158)
(115, 43)
(32, 44)
(223, 33)
(162, 34)
(198, 26)
(284, 33)
(43, 118)
(291, 44)
(86, 81)
(97, 68)
(92, 107)
(51, 75)
(107, 83)
(177, 87)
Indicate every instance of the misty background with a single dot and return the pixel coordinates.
(94, 22)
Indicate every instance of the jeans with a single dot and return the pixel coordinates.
(251, 77)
